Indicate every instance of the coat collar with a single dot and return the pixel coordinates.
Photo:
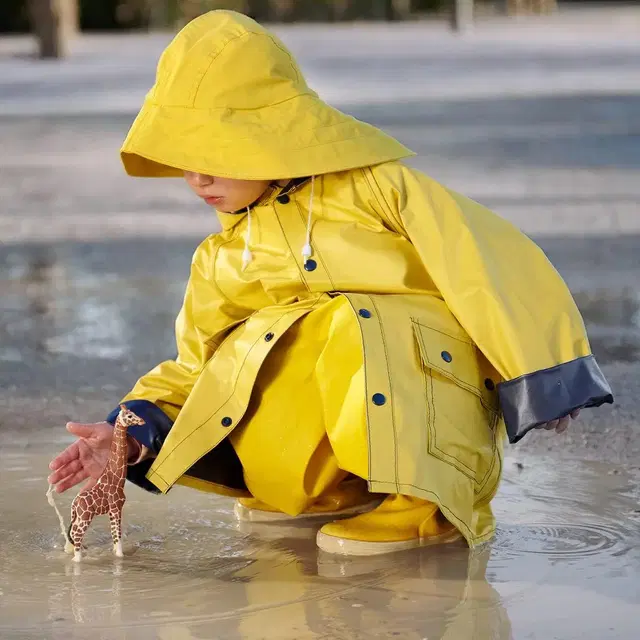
(273, 191)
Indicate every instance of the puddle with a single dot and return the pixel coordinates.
(62, 302)
(567, 550)
(116, 302)
(85, 317)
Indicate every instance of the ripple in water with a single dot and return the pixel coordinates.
(558, 541)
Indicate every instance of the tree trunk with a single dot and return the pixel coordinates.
(260, 10)
(53, 22)
(462, 15)
(401, 9)
(369, 10)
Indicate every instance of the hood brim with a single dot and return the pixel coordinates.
(304, 136)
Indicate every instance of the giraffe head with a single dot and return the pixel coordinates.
(128, 418)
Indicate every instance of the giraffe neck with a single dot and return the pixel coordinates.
(117, 463)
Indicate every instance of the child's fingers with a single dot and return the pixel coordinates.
(81, 429)
(65, 471)
(550, 426)
(575, 414)
(71, 453)
(563, 424)
(71, 481)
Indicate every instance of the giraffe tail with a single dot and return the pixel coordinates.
(69, 545)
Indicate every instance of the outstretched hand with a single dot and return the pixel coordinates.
(85, 459)
(561, 425)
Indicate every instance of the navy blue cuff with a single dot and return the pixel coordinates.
(137, 474)
(155, 429)
(550, 394)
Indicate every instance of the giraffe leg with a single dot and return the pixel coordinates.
(76, 533)
(115, 518)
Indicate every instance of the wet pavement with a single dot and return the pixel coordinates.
(564, 565)
(67, 306)
(539, 122)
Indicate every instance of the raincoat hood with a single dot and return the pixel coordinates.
(230, 101)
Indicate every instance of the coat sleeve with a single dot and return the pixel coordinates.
(504, 292)
(204, 320)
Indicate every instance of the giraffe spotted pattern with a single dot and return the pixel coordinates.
(106, 497)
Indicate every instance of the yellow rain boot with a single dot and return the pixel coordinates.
(349, 497)
(399, 523)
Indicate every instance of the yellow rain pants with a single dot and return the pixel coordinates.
(313, 410)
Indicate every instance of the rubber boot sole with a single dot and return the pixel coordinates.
(346, 547)
(245, 514)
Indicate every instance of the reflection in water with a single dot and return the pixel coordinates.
(192, 571)
(449, 585)
(64, 302)
(42, 280)
(84, 607)
(28, 302)
(65, 313)
(117, 301)
(278, 593)
(97, 330)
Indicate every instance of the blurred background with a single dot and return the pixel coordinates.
(54, 21)
(530, 106)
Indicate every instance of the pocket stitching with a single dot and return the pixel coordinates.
(432, 444)
(477, 391)
(445, 333)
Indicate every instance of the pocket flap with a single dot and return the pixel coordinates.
(459, 360)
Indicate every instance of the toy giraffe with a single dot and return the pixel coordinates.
(107, 495)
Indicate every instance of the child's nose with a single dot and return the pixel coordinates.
(199, 179)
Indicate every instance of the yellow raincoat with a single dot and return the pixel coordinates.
(396, 352)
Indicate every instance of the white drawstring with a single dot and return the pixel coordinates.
(307, 251)
(247, 256)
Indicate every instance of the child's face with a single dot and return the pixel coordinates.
(225, 194)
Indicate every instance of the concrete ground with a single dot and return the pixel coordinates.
(538, 119)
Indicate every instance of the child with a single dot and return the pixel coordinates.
(357, 336)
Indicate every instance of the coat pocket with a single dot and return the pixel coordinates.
(462, 403)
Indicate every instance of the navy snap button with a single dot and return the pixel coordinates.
(226, 422)
(310, 265)
(283, 199)
(378, 399)
(489, 384)
(446, 356)
(364, 313)
(269, 337)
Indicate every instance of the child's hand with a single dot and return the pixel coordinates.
(561, 425)
(85, 458)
